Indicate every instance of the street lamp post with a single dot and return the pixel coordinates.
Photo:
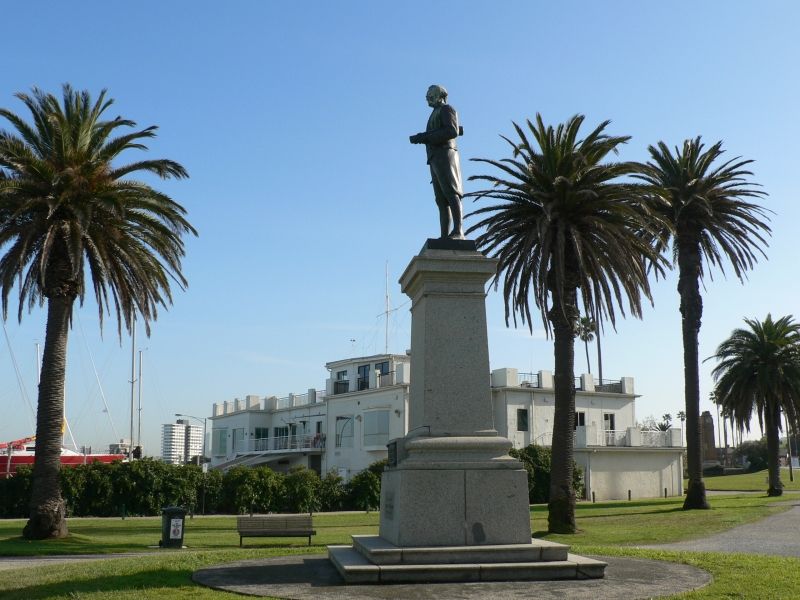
(204, 420)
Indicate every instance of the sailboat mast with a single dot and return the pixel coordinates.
(133, 380)
(139, 426)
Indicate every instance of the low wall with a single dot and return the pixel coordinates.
(610, 472)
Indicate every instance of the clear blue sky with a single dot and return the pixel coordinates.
(293, 118)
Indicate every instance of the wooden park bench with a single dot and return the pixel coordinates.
(275, 526)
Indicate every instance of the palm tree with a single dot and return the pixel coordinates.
(565, 223)
(585, 329)
(704, 211)
(682, 417)
(66, 208)
(666, 422)
(759, 369)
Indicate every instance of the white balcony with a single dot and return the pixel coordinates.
(314, 441)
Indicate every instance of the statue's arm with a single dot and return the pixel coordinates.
(448, 130)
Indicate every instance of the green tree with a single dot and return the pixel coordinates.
(755, 453)
(66, 207)
(210, 491)
(537, 461)
(703, 210)
(239, 484)
(568, 231)
(364, 490)
(758, 370)
(332, 492)
(301, 490)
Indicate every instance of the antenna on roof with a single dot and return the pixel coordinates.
(386, 349)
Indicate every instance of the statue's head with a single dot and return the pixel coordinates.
(436, 95)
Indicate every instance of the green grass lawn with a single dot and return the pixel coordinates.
(92, 536)
(755, 482)
(612, 528)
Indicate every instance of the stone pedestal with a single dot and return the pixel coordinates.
(454, 504)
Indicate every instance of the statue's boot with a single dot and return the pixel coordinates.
(455, 209)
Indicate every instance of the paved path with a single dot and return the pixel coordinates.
(313, 577)
(18, 562)
(776, 534)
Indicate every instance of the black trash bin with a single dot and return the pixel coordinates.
(172, 522)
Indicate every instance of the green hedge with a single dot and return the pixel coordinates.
(536, 460)
(143, 487)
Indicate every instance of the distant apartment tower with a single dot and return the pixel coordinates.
(181, 442)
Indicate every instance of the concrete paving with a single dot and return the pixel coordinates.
(775, 535)
(314, 578)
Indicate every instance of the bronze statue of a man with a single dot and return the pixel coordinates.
(439, 138)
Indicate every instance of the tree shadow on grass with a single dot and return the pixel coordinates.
(141, 580)
(314, 571)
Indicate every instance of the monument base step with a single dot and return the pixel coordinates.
(379, 551)
(485, 564)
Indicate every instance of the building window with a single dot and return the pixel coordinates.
(219, 442)
(261, 441)
(281, 437)
(344, 432)
(238, 440)
(341, 385)
(522, 419)
(363, 378)
(608, 422)
(580, 419)
(384, 375)
(376, 428)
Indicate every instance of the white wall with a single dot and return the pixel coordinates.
(540, 405)
(611, 472)
(352, 460)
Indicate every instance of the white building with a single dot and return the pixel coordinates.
(615, 454)
(181, 442)
(345, 427)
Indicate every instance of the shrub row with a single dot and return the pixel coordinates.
(536, 460)
(144, 487)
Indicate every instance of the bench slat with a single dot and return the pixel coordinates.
(277, 525)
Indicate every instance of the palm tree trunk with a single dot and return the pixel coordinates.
(48, 515)
(691, 315)
(588, 364)
(561, 506)
(599, 351)
(773, 450)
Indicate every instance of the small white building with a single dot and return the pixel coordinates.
(616, 456)
(345, 427)
(181, 442)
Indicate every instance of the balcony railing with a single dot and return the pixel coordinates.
(288, 442)
(362, 383)
(615, 438)
(292, 400)
(654, 439)
(530, 380)
(608, 386)
(386, 379)
(593, 437)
